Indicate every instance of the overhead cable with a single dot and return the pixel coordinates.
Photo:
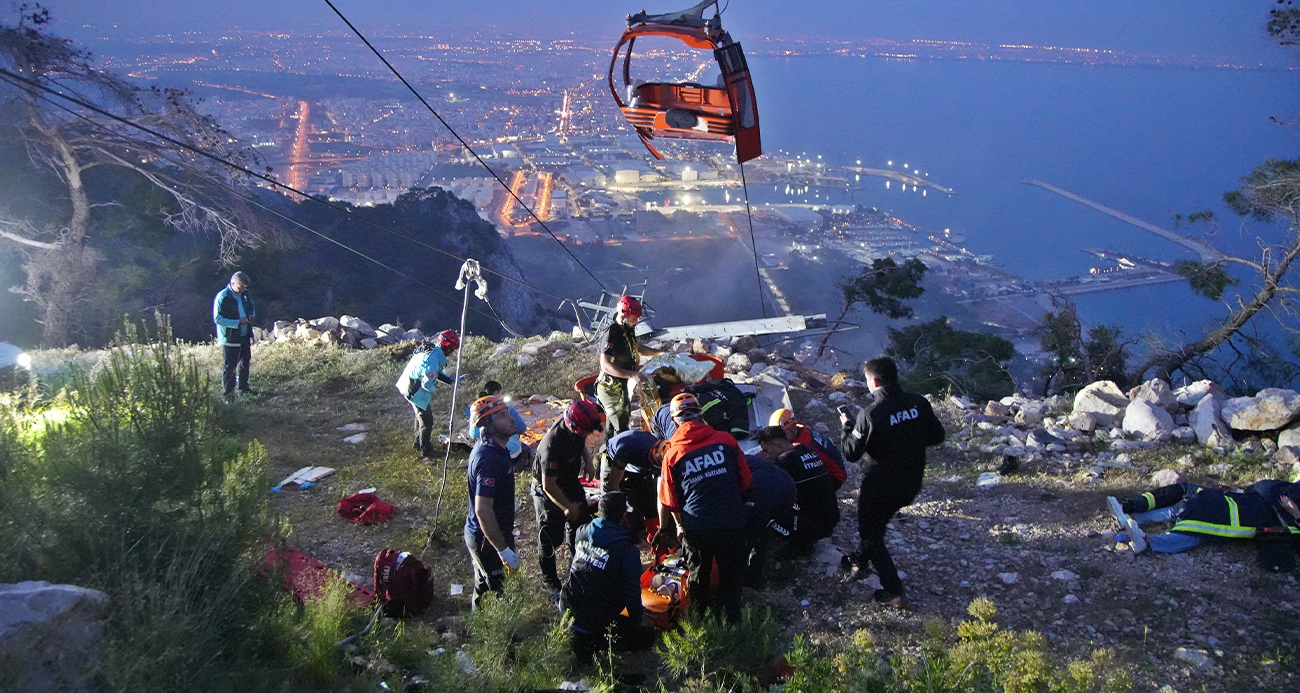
(462, 142)
(21, 81)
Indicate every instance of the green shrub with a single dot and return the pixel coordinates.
(708, 649)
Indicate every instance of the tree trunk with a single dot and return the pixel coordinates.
(59, 279)
(826, 340)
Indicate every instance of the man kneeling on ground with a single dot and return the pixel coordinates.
(605, 579)
(816, 511)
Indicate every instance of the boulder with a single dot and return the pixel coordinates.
(1165, 477)
(283, 328)
(389, 333)
(324, 324)
(1191, 395)
(501, 351)
(524, 360)
(1270, 409)
(738, 363)
(1185, 434)
(699, 346)
(357, 325)
(50, 636)
(539, 347)
(412, 336)
(369, 343)
(1157, 392)
(1289, 436)
(1287, 460)
(996, 409)
(722, 351)
(306, 333)
(1031, 413)
(1205, 420)
(1147, 419)
(1083, 421)
(1103, 400)
(744, 344)
(758, 356)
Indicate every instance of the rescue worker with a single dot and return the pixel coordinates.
(605, 580)
(521, 453)
(1199, 512)
(722, 404)
(490, 523)
(233, 313)
(702, 484)
(558, 497)
(625, 466)
(662, 425)
(769, 514)
(818, 510)
(890, 435)
(620, 361)
(799, 434)
(420, 378)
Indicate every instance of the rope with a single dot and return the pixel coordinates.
(462, 141)
(469, 273)
(750, 216)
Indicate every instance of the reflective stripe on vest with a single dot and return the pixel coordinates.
(1151, 500)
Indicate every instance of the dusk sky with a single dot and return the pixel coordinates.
(1233, 28)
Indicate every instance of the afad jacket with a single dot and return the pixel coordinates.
(227, 308)
(704, 477)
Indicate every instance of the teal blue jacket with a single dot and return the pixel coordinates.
(227, 308)
(424, 367)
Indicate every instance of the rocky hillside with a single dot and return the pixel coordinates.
(1035, 537)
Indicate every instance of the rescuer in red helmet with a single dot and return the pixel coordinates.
(558, 499)
(620, 361)
(420, 378)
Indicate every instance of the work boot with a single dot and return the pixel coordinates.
(890, 600)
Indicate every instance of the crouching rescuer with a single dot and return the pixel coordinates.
(604, 580)
(890, 435)
(701, 492)
(420, 378)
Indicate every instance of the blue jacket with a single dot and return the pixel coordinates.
(604, 579)
(227, 308)
(424, 367)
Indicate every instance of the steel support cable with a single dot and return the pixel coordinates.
(254, 201)
(750, 216)
(469, 274)
(462, 141)
(20, 81)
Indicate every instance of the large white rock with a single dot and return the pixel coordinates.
(1205, 420)
(539, 347)
(1147, 419)
(1031, 413)
(1083, 421)
(283, 329)
(306, 333)
(501, 351)
(50, 636)
(1103, 400)
(1165, 477)
(324, 324)
(1271, 409)
(369, 343)
(1289, 436)
(389, 333)
(1191, 395)
(737, 363)
(1157, 392)
(357, 325)
(412, 336)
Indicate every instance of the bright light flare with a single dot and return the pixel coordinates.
(24, 361)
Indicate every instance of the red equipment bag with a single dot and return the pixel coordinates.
(365, 509)
(402, 583)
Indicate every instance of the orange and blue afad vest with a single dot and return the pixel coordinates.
(1235, 514)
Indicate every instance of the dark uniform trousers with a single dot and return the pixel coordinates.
(234, 364)
(876, 507)
(489, 571)
(729, 550)
(551, 534)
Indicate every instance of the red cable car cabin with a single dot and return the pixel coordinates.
(688, 110)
